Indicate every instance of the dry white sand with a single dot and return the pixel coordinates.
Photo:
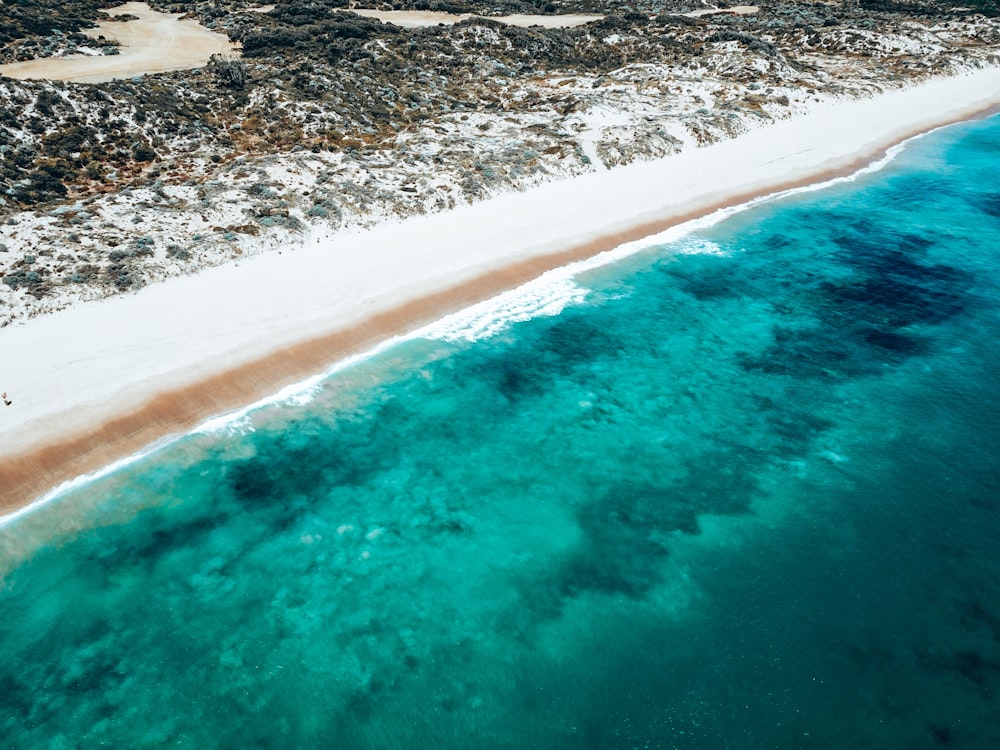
(152, 43)
(70, 371)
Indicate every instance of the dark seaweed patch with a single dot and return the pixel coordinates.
(624, 543)
(990, 204)
(176, 536)
(984, 502)
(15, 697)
(572, 339)
(626, 531)
(972, 666)
(307, 459)
(706, 285)
(892, 301)
(910, 291)
(252, 481)
(550, 350)
(866, 320)
(513, 377)
(975, 615)
(795, 429)
(899, 343)
(807, 352)
(778, 241)
(707, 278)
(100, 675)
(975, 667)
(942, 735)
(896, 288)
(154, 537)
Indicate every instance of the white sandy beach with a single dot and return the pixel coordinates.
(70, 372)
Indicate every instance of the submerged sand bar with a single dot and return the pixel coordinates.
(152, 43)
(99, 381)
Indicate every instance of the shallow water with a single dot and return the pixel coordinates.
(743, 495)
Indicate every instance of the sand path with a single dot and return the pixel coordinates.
(154, 43)
(414, 19)
(736, 10)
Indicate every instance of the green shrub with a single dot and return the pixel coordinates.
(142, 152)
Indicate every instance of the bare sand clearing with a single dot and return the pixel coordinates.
(101, 380)
(153, 43)
(736, 10)
(413, 19)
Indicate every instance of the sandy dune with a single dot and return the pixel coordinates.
(154, 43)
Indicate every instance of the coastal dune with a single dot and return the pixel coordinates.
(100, 381)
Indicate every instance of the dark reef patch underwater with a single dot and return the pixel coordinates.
(745, 495)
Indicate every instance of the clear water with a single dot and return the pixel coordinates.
(745, 494)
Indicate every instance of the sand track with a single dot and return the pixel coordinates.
(413, 19)
(152, 43)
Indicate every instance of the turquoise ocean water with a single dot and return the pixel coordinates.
(742, 492)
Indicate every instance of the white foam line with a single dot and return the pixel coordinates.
(72, 484)
(298, 393)
(554, 290)
(303, 391)
(546, 296)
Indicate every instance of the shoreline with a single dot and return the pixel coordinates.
(166, 381)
